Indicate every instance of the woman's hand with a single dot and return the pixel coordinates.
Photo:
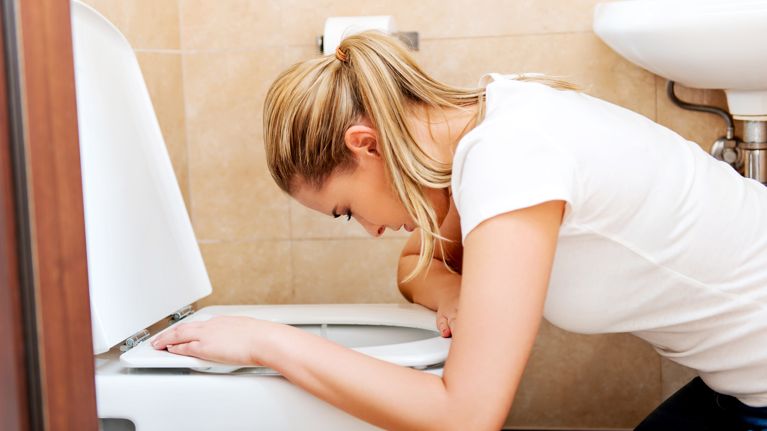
(447, 310)
(227, 339)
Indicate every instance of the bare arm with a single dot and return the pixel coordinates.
(503, 290)
(506, 271)
(428, 288)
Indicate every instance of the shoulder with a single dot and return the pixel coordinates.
(517, 157)
(521, 122)
(521, 111)
(525, 96)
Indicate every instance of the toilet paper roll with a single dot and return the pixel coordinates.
(339, 27)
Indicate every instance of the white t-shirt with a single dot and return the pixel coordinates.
(659, 239)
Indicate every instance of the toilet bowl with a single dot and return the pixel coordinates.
(146, 390)
(144, 265)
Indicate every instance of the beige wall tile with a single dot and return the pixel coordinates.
(346, 271)
(225, 91)
(296, 53)
(148, 24)
(162, 74)
(674, 376)
(438, 19)
(578, 57)
(233, 195)
(232, 24)
(699, 127)
(573, 380)
(257, 272)
(153, 24)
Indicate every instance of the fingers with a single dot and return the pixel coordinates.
(191, 348)
(443, 326)
(180, 333)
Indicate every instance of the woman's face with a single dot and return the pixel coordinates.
(362, 192)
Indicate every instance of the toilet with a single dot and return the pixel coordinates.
(145, 268)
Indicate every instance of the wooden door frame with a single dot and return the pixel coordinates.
(43, 268)
(14, 392)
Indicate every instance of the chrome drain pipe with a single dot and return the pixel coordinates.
(702, 108)
(749, 156)
(754, 148)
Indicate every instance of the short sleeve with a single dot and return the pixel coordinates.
(494, 173)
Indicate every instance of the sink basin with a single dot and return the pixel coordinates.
(717, 44)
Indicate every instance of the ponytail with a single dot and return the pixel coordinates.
(311, 105)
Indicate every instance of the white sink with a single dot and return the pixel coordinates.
(718, 44)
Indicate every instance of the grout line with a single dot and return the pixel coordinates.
(311, 45)
(158, 50)
(498, 36)
(292, 262)
(655, 87)
(274, 239)
(186, 115)
(180, 9)
(350, 238)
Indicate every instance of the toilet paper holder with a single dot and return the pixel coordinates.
(409, 38)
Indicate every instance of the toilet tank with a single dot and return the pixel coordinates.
(143, 259)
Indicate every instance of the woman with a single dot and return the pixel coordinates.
(651, 235)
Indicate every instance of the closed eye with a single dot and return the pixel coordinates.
(348, 214)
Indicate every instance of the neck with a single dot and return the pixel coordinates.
(439, 131)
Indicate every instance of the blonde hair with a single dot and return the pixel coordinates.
(310, 106)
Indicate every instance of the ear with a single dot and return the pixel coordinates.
(362, 140)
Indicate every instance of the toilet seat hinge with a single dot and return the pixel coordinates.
(134, 340)
(181, 313)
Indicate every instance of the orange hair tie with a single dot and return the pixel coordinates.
(340, 55)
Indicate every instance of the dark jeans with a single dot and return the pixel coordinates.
(697, 407)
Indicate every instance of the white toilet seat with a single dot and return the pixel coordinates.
(418, 345)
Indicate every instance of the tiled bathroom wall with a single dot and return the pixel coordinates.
(208, 65)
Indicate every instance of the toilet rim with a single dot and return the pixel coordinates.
(425, 353)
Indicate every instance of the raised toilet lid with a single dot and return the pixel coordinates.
(143, 259)
(404, 334)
